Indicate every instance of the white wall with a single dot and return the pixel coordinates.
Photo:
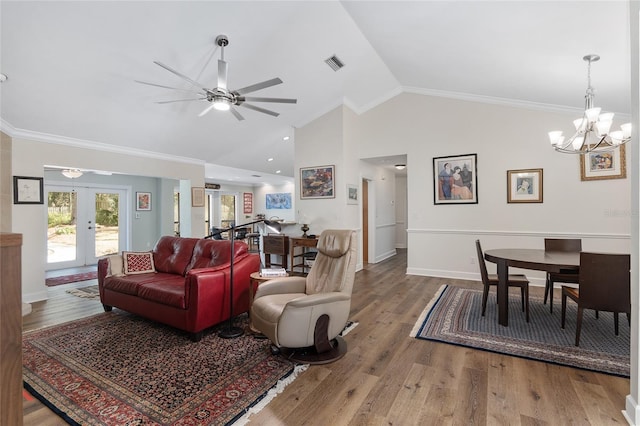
(29, 158)
(440, 237)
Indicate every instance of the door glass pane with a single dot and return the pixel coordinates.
(62, 226)
(227, 210)
(106, 224)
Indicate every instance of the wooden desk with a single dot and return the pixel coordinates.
(536, 259)
(304, 244)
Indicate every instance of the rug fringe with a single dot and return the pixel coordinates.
(272, 393)
(420, 322)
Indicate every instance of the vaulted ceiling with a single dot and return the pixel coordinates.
(71, 66)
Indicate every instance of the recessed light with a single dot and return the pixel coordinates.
(277, 171)
(269, 159)
(286, 138)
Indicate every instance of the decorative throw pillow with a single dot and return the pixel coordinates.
(115, 266)
(137, 262)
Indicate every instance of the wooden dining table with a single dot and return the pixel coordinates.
(536, 259)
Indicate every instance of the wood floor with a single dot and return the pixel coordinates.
(388, 378)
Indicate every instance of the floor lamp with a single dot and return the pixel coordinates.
(231, 331)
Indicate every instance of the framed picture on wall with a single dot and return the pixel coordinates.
(604, 165)
(524, 186)
(317, 182)
(28, 190)
(352, 194)
(143, 201)
(247, 202)
(197, 196)
(278, 201)
(455, 179)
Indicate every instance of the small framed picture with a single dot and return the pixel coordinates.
(247, 202)
(352, 194)
(317, 182)
(197, 196)
(524, 186)
(280, 200)
(604, 165)
(28, 190)
(455, 179)
(143, 201)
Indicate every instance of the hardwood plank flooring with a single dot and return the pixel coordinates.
(388, 378)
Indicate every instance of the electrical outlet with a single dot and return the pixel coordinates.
(137, 215)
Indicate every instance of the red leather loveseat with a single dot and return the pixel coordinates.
(189, 289)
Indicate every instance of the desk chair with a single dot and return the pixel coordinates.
(605, 285)
(514, 280)
(570, 277)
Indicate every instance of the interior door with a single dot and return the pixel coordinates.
(84, 224)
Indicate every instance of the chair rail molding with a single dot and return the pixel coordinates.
(535, 234)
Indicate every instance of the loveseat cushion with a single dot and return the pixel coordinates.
(167, 292)
(128, 284)
(210, 253)
(173, 254)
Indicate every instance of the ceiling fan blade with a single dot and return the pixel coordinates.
(255, 108)
(236, 114)
(184, 77)
(258, 86)
(206, 110)
(165, 87)
(181, 100)
(257, 99)
(222, 74)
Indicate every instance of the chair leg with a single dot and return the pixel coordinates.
(485, 295)
(629, 318)
(597, 315)
(522, 296)
(550, 296)
(616, 324)
(564, 310)
(578, 325)
(526, 291)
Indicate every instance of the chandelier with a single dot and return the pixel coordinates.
(593, 128)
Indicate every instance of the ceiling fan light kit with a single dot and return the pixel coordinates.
(593, 128)
(220, 97)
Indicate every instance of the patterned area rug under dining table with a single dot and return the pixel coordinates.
(116, 368)
(454, 316)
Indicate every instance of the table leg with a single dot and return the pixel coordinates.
(503, 293)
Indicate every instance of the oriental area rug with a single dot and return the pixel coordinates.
(119, 369)
(454, 316)
(89, 292)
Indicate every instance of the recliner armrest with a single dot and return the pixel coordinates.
(318, 299)
(282, 285)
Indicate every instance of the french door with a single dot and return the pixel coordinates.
(84, 224)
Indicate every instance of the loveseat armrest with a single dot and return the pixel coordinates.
(281, 286)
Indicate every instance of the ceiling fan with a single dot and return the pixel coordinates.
(221, 97)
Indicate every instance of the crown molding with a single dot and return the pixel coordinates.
(10, 130)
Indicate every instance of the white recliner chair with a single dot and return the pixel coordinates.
(303, 316)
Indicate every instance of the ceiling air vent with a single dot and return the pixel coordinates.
(334, 63)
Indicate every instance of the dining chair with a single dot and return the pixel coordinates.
(570, 277)
(605, 285)
(514, 280)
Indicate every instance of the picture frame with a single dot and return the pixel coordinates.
(352, 194)
(197, 196)
(455, 179)
(604, 165)
(28, 190)
(317, 182)
(280, 200)
(524, 186)
(143, 201)
(247, 202)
